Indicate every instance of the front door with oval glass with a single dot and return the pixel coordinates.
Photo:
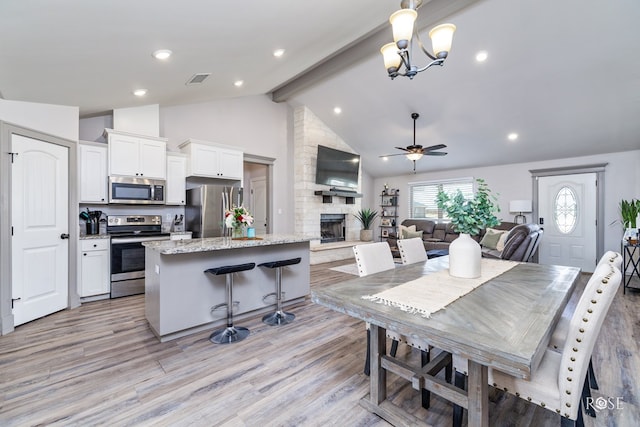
(567, 205)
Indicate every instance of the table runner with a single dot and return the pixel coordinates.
(435, 291)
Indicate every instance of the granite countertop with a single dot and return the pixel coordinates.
(172, 247)
(94, 236)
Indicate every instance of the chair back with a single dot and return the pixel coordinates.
(584, 328)
(412, 250)
(613, 258)
(373, 258)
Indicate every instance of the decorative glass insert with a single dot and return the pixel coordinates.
(565, 210)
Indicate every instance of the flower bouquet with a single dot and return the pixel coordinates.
(236, 218)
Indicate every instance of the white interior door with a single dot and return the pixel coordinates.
(259, 204)
(39, 217)
(567, 212)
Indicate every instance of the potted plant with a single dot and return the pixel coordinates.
(630, 213)
(468, 217)
(366, 217)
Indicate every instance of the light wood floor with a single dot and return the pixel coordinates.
(101, 365)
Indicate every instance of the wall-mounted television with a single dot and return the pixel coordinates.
(337, 168)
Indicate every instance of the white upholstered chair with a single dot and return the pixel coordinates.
(374, 258)
(562, 328)
(559, 382)
(412, 250)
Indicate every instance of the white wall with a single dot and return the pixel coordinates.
(58, 120)
(622, 181)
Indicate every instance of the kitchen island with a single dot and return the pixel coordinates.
(179, 295)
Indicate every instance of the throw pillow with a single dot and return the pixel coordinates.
(404, 229)
(411, 234)
(491, 238)
(503, 239)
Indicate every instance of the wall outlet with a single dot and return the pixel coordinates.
(168, 217)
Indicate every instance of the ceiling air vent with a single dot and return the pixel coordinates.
(197, 78)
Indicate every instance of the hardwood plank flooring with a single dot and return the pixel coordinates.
(101, 365)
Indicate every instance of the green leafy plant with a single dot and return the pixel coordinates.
(366, 217)
(470, 215)
(629, 211)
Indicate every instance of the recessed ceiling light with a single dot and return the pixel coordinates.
(238, 83)
(512, 136)
(482, 56)
(278, 53)
(337, 110)
(162, 54)
(384, 159)
(140, 92)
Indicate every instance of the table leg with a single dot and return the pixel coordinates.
(378, 376)
(478, 392)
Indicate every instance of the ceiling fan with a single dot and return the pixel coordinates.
(414, 151)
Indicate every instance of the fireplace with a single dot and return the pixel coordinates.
(332, 227)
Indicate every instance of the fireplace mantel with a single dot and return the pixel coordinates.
(327, 196)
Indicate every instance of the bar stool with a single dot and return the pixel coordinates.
(231, 333)
(279, 317)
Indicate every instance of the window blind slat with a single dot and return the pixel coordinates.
(423, 197)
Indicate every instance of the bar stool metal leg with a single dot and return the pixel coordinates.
(230, 333)
(280, 317)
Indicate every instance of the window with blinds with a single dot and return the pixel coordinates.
(423, 196)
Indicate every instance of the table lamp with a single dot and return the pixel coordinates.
(520, 206)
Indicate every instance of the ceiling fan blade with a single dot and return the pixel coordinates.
(402, 148)
(435, 147)
(390, 155)
(435, 153)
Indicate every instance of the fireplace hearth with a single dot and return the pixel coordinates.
(332, 228)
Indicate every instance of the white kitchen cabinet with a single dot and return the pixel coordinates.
(94, 267)
(92, 162)
(176, 179)
(137, 155)
(206, 159)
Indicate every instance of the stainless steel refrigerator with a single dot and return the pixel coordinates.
(204, 213)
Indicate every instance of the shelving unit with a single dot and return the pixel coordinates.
(388, 213)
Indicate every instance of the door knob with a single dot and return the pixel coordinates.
(64, 236)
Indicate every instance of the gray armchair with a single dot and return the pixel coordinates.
(522, 242)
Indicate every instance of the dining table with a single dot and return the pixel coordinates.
(504, 323)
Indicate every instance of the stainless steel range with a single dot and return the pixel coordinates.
(127, 253)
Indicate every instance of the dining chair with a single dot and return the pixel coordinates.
(559, 383)
(412, 250)
(559, 335)
(373, 258)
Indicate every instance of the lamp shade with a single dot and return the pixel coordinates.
(441, 39)
(390, 56)
(414, 156)
(402, 22)
(520, 206)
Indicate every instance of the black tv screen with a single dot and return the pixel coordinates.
(337, 168)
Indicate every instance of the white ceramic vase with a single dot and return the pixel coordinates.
(464, 257)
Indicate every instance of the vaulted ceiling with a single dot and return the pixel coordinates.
(563, 75)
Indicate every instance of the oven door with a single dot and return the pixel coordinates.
(127, 265)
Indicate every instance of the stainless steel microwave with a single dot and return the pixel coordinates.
(136, 191)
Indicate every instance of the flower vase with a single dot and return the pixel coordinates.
(464, 257)
(237, 232)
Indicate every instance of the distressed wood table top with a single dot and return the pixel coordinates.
(505, 323)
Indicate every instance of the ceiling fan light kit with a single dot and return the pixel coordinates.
(398, 54)
(415, 151)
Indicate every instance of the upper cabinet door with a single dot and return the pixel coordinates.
(206, 159)
(138, 156)
(123, 155)
(93, 173)
(176, 179)
(153, 159)
(230, 164)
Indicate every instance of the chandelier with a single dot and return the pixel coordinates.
(398, 53)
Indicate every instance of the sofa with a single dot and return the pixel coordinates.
(519, 245)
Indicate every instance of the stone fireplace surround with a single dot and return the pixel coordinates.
(308, 133)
